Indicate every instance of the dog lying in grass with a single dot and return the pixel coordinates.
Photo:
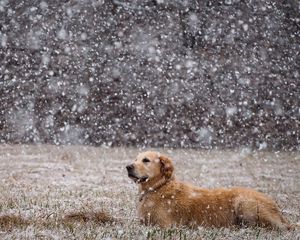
(166, 202)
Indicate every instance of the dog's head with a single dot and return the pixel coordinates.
(150, 165)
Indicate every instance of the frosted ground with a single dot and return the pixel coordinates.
(41, 184)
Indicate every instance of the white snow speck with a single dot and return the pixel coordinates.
(62, 34)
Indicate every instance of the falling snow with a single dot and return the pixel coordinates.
(218, 75)
(151, 73)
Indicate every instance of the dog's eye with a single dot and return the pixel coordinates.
(145, 160)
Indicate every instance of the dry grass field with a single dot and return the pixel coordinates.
(66, 192)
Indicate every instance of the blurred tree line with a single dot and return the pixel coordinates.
(151, 73)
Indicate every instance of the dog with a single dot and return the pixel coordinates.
(166, 202)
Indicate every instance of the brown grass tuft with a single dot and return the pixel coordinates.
(7, 222)
(90, 216)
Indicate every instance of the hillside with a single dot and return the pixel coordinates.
(151, 73)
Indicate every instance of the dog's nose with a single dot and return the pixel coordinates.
(129, 167)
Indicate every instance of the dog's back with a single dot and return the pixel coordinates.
(177, 203)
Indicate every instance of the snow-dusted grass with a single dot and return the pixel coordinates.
(42, 185)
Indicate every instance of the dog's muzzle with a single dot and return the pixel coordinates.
(130, 168)
(131, 174)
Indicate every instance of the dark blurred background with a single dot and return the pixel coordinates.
(161, 73)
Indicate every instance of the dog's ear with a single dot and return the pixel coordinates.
(167, 167)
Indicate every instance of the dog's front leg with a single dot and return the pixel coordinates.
(157, 218)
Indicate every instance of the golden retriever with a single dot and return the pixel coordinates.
(166, 202)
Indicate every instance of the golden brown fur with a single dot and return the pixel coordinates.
(166, 202)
